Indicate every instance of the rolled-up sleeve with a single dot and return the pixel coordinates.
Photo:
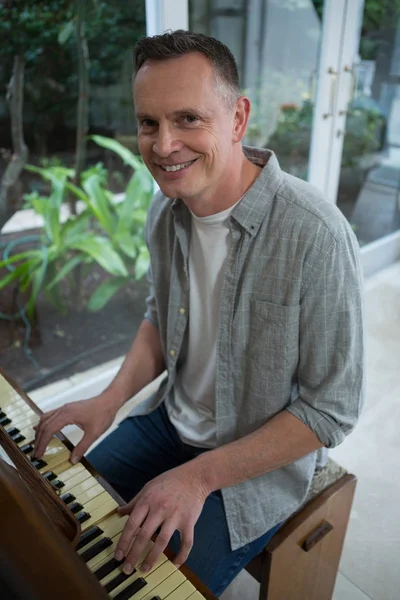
(331, 346)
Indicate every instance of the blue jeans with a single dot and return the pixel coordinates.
(142, 448)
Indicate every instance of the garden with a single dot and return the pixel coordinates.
(72, 290)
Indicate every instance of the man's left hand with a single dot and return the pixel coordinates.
(172, 501)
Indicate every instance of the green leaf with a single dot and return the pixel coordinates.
(38, 277)
(67, 268)
(65, 32)
(142, 263)
(126, 242)
(29, 254)
(77, 191)
(102, 251)
(99, 204)
(127, 156)
(75, 228)
(105, 292)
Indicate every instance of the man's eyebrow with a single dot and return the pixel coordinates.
(178, 113)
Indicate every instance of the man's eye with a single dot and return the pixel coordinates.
(147, 123)
(190, 119)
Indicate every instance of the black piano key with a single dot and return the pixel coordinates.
(75, 507)
(105, 569)
(96, 549)
(57, 485)
(27, 449)
(18, 437)
(82, 517)
(5, 421)
(49, 475)
(67, 498)
(89, 535)
(116, 581)
(131, 589)
(2, 414)
(156, 598)
(38, 463)
(13, 431)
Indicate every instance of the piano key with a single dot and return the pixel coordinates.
(39, 463)
(72, 471)
(13, 431)
(132, 589)
(75, 507)
(24, 420)
(18, 437)
(67, 498)
(112, 527)
(98, 515)
(161, 590)
(87, 537)
(107, 568)
(183, 592)
(82, 486)
(5, 421)
(27, 448)
(89, 494)
(196, 596)
(95, 550)
(83, 517)
(118, 570)
(156, 576)
(49, 475)
(2, 414)
(117, 580)
(57, 484)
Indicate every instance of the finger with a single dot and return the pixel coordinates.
(159, 546)
(44, 418)
(127, 508)
(187, 536)
(82, 447)
(132, 525)
(53, 424)
(140, 547)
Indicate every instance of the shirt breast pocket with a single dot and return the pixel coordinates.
(273, 344)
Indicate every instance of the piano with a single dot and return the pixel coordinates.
(60, 525)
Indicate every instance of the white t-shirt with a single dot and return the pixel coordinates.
(191, 408)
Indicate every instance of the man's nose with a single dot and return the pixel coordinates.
(166, 142)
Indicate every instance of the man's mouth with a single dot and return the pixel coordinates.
(178, 167)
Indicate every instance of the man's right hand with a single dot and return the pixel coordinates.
(94, 416)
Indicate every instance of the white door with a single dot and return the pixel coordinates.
(340, 37)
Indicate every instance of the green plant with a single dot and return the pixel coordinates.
(292, 136)
(105, 232)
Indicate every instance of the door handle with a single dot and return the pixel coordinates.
(332, 72)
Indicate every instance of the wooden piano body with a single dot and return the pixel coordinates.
(60, 526)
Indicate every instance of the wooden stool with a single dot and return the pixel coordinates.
(302, 559)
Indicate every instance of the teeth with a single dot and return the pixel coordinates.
(177, 167)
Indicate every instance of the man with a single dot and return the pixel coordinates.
(255, 312)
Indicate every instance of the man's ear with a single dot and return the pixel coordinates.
(242, 113)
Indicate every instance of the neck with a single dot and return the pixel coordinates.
(236, 183)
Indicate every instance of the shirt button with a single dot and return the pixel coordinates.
(182, 310)
(172, 352)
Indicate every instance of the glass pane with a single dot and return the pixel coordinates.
(369, 188)
(276, 46)
(54, 334)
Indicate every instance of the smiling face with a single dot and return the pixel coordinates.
(188, 136)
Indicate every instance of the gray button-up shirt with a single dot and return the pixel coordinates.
(290, 334)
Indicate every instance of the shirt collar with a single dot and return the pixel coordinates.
(253, 206)
(251, 210)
